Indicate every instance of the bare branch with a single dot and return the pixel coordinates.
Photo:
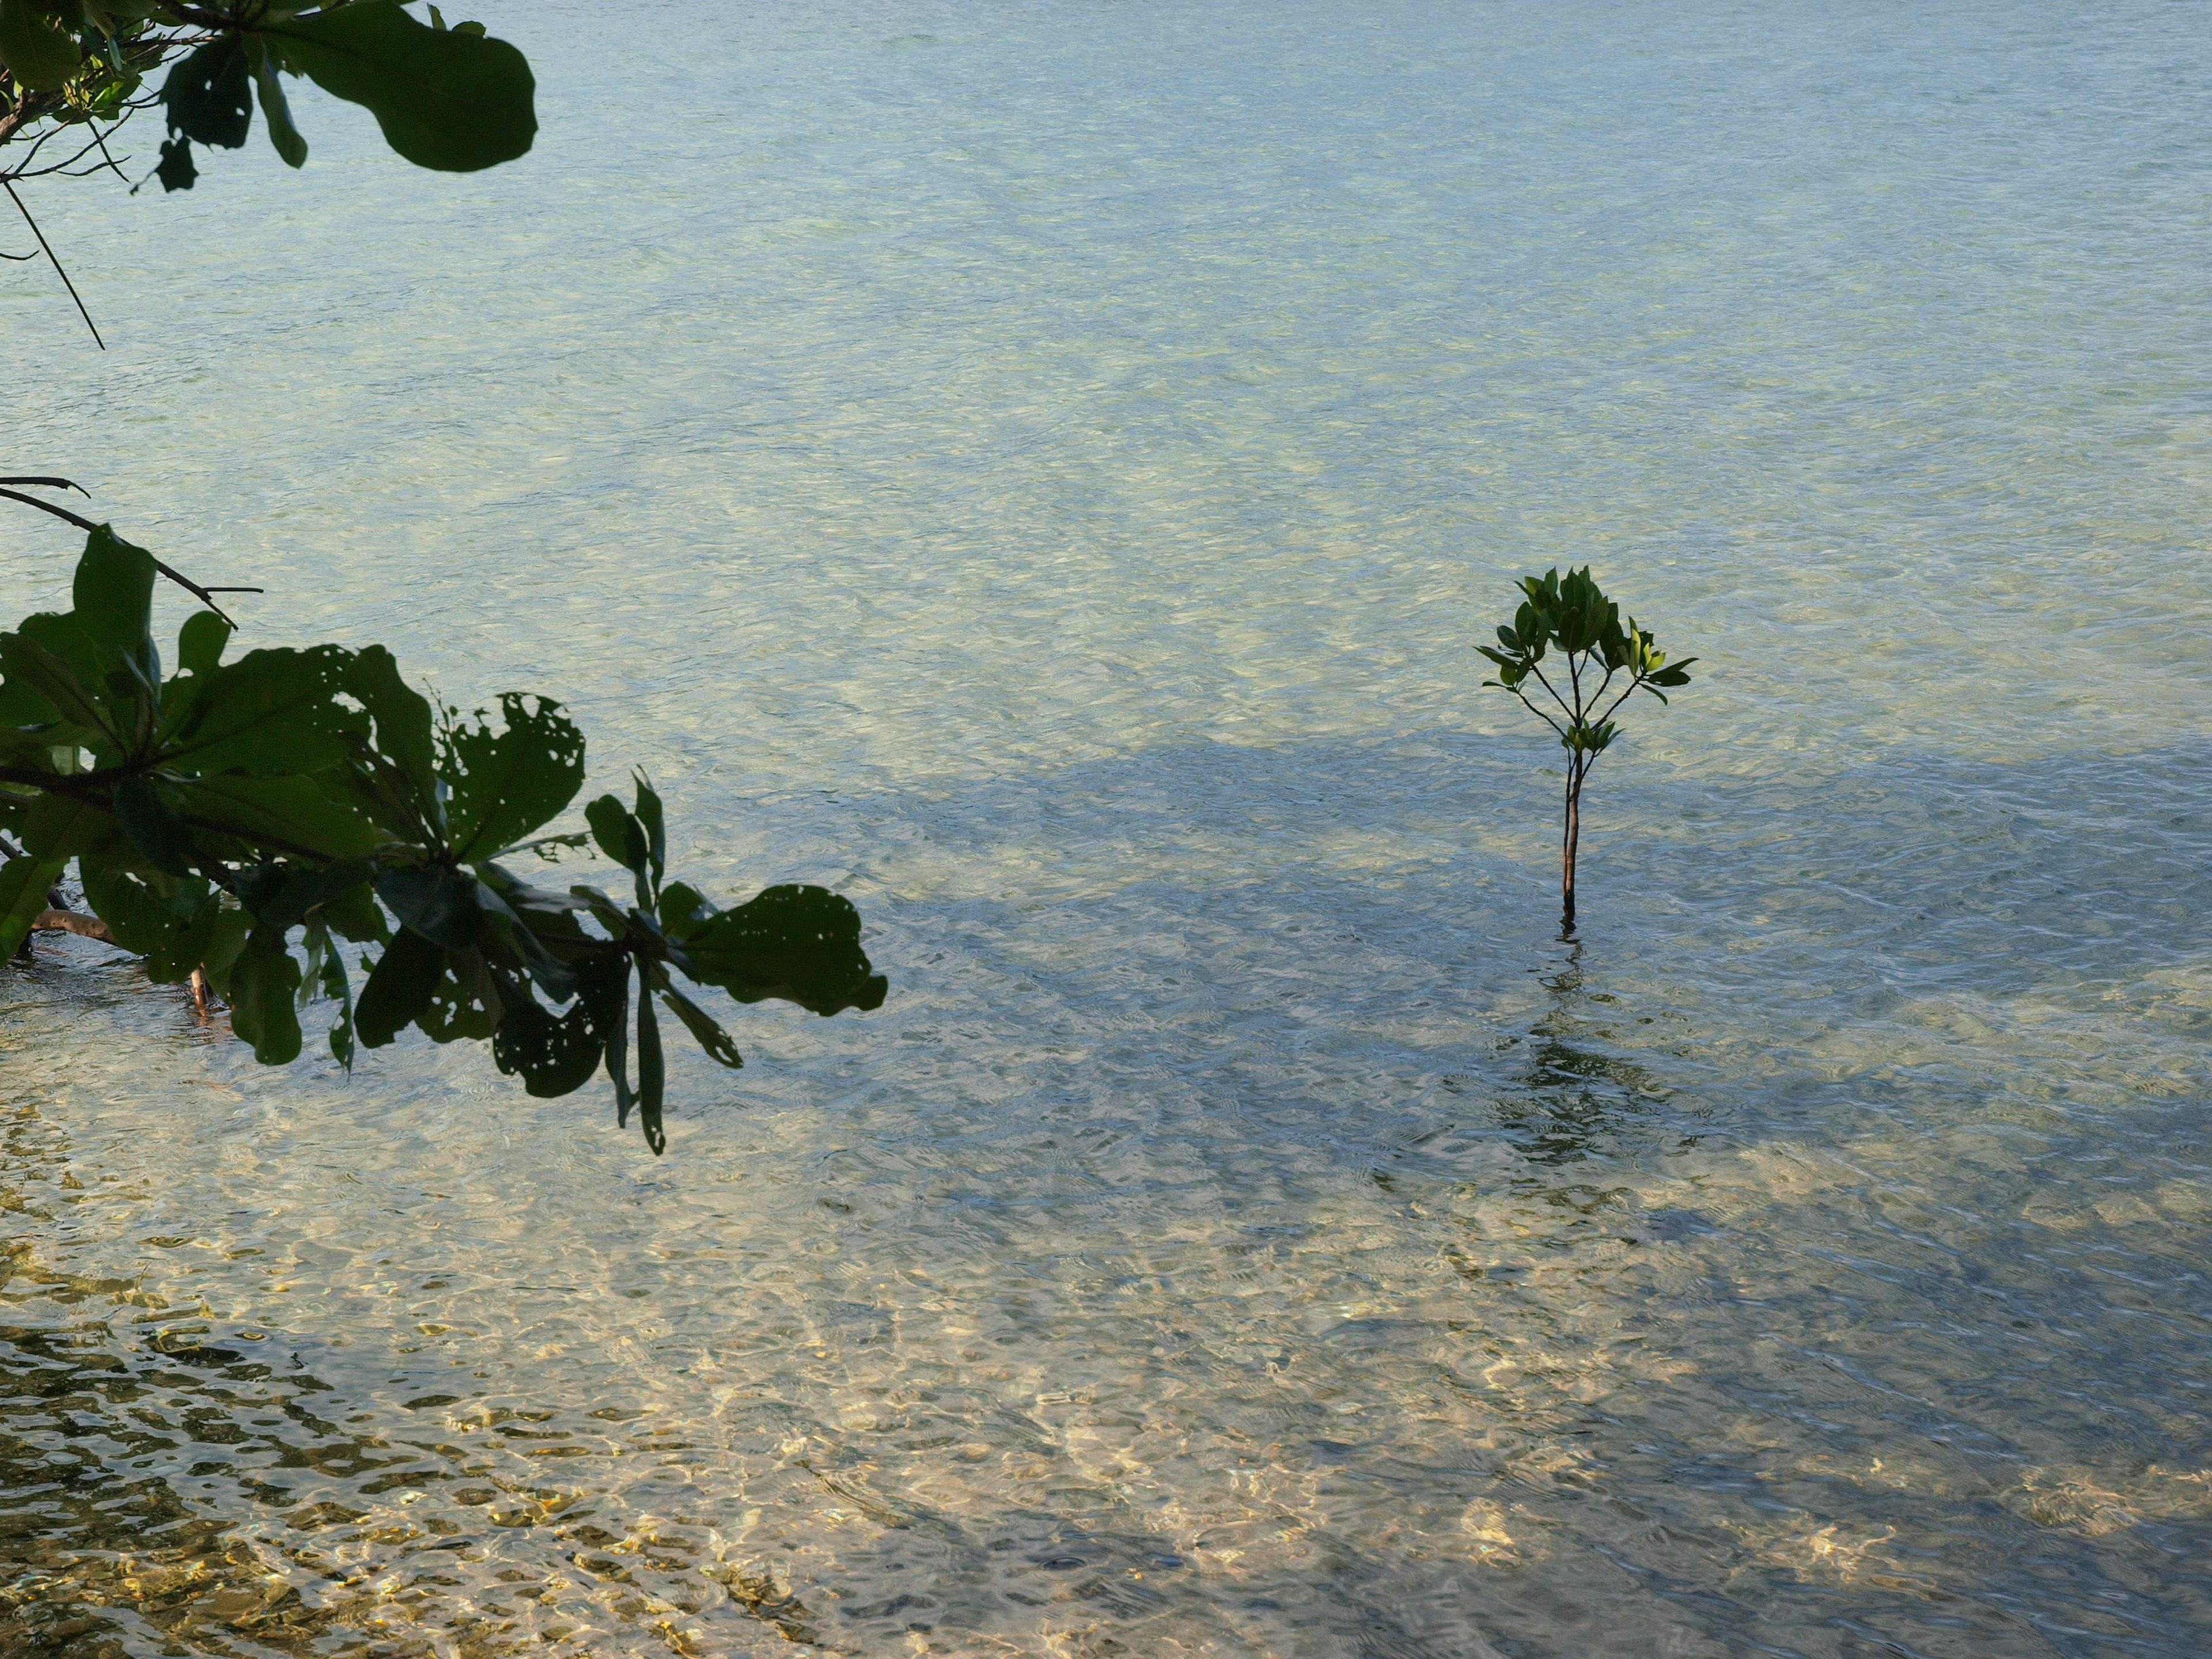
(63, 512)
(1634, 685)
(64, 275)
(100, 139)
(1598, 695)
(1540, 713)
(32, 153)
(1553, 689)
(204, 595)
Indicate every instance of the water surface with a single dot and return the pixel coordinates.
(1039, 469)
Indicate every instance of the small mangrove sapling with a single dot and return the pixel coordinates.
(1571, 616)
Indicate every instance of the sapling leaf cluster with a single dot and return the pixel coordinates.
(1598, 662)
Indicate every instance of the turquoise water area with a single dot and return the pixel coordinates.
(1039, 469)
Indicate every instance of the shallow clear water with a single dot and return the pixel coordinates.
(1039, 469)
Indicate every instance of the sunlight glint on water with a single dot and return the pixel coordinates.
(1039, 469)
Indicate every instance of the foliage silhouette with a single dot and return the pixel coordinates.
(75, 71)
(265, 817)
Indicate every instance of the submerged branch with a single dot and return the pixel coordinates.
(72, 922)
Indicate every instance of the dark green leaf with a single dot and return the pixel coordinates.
(200, 642)
(463, 1004)
(1529, 625)
(438, 903)
(25, 883)
(153, 825)
(315, 946)
(603, 910)
(59, 826)
(619, 834)
(263, 983)
(604, 986)
(802, 943)
(176, 171)
(402, 717)
(29, 663)
(554, 1057)
(207, 95)
(139, 917)
(35, 48)
(507, 927)
(270, 712)
(339, 989)
(505, 784)
(274, 109)
(446, 99)
(284, 895)
(353, 915)
(114, 596)
(398, 989)
(287, 814)
(710, 1037)
(552, 914)
(683, 910)
(656, 828)
(651, 1071)
(226, 939)
(168, 924)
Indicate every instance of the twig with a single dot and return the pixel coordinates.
(25, 170)
(1539, 713)
(1548, 686)
(51, 254)
(100, 139)
(205, 595)
(1634, 686)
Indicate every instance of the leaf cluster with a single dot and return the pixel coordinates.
(289, 817)
(452, 98)
(1571, 618)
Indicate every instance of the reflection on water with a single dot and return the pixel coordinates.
(1578, 1093)
(1038, 470)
